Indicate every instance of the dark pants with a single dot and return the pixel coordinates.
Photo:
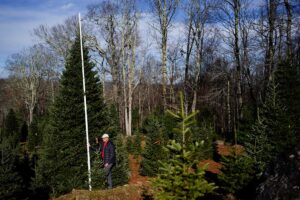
(107, 171)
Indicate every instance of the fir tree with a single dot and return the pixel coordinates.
(205, 133)
(237, 172)
(153, 152)
(24, 132)
(98, 174)
(120, 172)
(63, 164)
(11, 128)
(258, 146)
(288, 79)
(181, 177)
(273, 132)
(10, 180)
(33, 135)
(11, 123)
(35, 132)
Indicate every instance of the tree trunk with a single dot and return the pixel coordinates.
(269, 63)
(52, 91)
(280, 37)
(149, 98)
(31, 114)
(229, 130)
(140, 109)
(288, 27)
(194, 101)
(189, 47)
(165, 10)
(237, 58)
(103, 86)
(164, 66)
(172, 72)
(131, 65)
(124, 86)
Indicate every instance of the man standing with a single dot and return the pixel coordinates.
(109, 158)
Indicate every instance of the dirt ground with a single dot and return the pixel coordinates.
(136, 178)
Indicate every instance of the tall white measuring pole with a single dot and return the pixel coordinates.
(85, 109)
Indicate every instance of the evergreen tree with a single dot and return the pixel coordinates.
(16, 171)
(258, 145)
(10, 180)
(181, 177)
(11, 128)
(24, 132)
(11, 123)
(120, 172)
(237, 172)
(137, 145)
(63, 164)
(129, 145)
(153, 152)
(98, 174)
(203, 132)
(33, 136)
(273, 133)
(35, 132)
(288, 79)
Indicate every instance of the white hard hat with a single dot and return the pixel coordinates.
(105, 136)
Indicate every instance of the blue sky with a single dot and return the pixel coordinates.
(18, 18)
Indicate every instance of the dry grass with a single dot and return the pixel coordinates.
(126, 192)
(212, 166)
(137, 187)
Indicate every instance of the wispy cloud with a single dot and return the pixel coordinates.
(18, 20)
(17, 25)
(67, 6)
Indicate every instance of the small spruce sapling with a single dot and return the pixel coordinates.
(181, 177)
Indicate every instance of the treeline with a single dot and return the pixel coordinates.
(223, 58)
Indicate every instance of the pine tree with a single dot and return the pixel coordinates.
(205, 133)
(288, 79)
(237, 172)
(10, 180)
(273, 133)
(24, 132)
(63, 164)
(120, 172)
(33, 135)
(98, 179)
(35, 132)
(11, 122)
(11, 128)
(153, 151)
(181, 177)
(258, 145)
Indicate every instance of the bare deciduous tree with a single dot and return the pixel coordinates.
(59, 37)
(29, 68)
(164, 10)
